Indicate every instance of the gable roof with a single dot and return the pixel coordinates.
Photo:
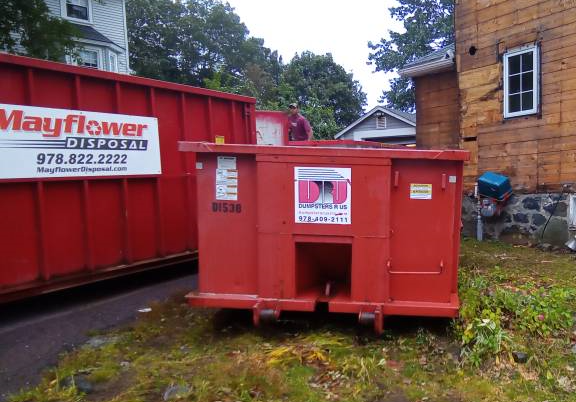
(435, 62)
(408, 118)
(92, 35)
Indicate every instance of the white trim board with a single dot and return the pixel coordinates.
(397, 132)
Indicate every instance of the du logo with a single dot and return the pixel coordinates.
(322, 195)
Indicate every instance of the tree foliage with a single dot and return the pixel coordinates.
(27, 27)
(318, 80)
(192, 41)
(204, 43)
(428, 25)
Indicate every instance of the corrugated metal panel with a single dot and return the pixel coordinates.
(60, 232)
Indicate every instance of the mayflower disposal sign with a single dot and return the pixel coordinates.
(323, 195)
(38, 142)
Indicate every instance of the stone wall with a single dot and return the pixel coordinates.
(523, 219)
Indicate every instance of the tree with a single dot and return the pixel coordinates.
(318, 81)
(204, 43)
(27, 27)
(153, 38)
(198, 42)
(429, 25)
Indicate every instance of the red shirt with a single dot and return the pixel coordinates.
(299, 127)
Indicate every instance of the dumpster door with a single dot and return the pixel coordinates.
(423, 199)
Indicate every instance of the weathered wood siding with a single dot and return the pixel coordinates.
(437, 125)
(538, 152)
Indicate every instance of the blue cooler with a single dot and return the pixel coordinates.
(495, 186)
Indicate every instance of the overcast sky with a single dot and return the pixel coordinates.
(342, 28)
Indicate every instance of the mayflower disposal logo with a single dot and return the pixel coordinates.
(323, 195)
(40, 142)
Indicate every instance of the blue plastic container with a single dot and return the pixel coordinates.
(495, 186)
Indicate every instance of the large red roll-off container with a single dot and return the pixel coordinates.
(369, 231)
(92, 184)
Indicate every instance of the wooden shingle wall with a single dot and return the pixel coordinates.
(538, 152)
(437, 106)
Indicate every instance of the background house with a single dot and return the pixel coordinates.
(509, 98)
(382, 125)
(103, 41)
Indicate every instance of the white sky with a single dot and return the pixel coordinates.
(340, 27)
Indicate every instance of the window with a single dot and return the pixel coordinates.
(112, 62)
(89, 58)
(77, 10)
(521, 80)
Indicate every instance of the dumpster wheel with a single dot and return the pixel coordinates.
(264, 315)
(373, 318)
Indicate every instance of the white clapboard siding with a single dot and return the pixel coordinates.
(107, 18)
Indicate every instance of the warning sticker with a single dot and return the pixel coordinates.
(420, 191)
(227, 162)
(227, 179)
(323, 195)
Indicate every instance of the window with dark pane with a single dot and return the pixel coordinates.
(520, 91)
(77, 9)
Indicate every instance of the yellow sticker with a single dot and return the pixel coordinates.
(420, 191)
(220, 139)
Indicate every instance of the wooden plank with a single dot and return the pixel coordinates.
(444, 98)
(437, 114)
(546, 21)
(513, 135)
(509, 149)
(479, 76)
(556, 144)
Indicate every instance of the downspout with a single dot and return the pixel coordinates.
(127, 53)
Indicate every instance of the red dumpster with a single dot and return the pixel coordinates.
(91, 181)
(368, 231)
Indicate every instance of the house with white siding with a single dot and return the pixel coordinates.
(103, 36)
(384, 125)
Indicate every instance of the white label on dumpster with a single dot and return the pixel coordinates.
(323, 195)
(227, 184)
(227, 162)
(37, 142)
(420, 191)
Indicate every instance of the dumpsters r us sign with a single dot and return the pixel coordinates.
(322, 195)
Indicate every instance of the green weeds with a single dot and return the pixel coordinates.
(512, 300)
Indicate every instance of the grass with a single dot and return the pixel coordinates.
(514, 299)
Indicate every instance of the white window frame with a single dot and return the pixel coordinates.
(112, 64)
(79, 20)
(74, 62)
(380, 119)
(534, 49)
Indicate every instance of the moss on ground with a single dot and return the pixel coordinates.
(514, 299)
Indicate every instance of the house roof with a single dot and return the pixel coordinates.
(87, 32)
(408, 118)
(434, 62)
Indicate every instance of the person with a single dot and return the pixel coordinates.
(299, 127)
